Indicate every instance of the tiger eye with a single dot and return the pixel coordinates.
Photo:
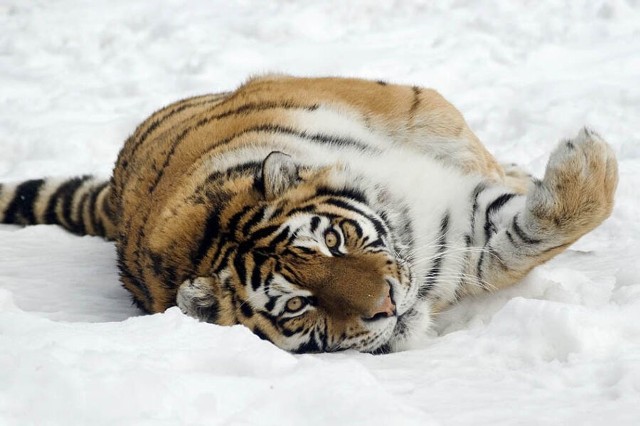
(295, 304)
(331, 239)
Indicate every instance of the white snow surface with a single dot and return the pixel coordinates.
(561, 347)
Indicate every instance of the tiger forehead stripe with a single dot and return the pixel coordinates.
(315, 222)
(350, 193)
(380, 228)
(356, 226)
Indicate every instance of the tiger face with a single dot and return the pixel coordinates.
(328, 280)
(319, 271)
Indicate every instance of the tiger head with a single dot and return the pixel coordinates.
(320, 268)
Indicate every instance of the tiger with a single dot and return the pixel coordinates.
(324, 214)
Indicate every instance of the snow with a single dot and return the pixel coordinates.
(561, 347)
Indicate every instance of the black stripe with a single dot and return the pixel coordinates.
(222, 254)
(211, 230)
(305, 209)
(315, 222)
(271, 303)
(159, 268)
(278, 211)
(137, 251)
(261, 334)
(232, 226)
(20, 210)
(250, 167)
(382, 350)
(262, 233)
(260, 128)
(416, 101)
(144, 304)
(61, 195)
(289, 273)
(267, 282)
(291, 238)
(167, 159)
(67, 204)
(474, 207)
(432, 276)
(351, 193)
(253, 220)
(93, 209)
(288, 332)
(289, 252)
(355, 224)
(263, 128)
(373, 244)
(246, 309)
(521, 234)
(79, 227)
(271, 319)
(380, 229)
(306, 250)
(157, 122)
(107, 207)
(496, 204)
(310, 346)
(480, 262)
(256, 276)
(241, 268)
(324, 333)
(282, 236)
(468, 240)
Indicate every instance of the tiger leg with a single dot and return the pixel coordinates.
(196, 298)
(574, 197)
(438, 129)
(517, 178)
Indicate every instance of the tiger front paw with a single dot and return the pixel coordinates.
(578, 188)
(196, 298)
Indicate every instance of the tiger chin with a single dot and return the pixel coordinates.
(324, 214)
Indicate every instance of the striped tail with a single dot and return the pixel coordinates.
(81, 205)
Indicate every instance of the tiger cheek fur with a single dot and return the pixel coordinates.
(322, 213)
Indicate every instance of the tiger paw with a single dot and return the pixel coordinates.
(578, 188)
(196, 298)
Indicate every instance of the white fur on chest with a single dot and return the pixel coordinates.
(431, 189)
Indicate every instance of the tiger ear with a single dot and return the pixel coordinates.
(279, 174)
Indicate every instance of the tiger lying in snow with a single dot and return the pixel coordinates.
(324, 214)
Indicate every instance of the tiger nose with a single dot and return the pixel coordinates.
(385, 309)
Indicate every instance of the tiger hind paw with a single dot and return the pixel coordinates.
(578, 188)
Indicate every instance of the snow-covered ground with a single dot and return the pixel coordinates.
(562, 347)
